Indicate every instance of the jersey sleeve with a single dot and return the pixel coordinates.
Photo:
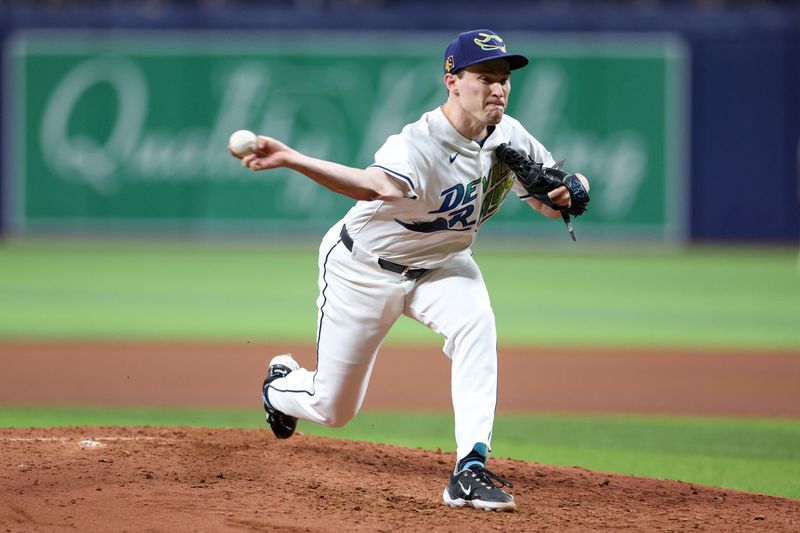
(394, 159)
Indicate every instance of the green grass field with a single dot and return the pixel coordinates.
(738, 297)
(720, 298)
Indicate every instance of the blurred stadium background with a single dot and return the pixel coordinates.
(686, 114)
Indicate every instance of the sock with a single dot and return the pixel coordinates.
(473, 458)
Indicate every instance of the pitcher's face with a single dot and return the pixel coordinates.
(483, 90)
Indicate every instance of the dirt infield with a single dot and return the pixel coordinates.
(741, 383)
(189, 479)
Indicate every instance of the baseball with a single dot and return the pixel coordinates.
(583, 180)
(242, 142)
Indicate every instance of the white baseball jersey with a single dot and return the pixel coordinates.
(454, 185)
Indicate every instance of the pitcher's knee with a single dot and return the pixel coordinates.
(479, 325)
(335, 417)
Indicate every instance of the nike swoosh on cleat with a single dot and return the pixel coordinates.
(466, 490)
(453, 157)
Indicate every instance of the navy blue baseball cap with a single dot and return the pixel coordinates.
(477, 46)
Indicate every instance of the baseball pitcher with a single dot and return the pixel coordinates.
(404, 249)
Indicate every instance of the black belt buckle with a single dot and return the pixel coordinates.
(406, 272)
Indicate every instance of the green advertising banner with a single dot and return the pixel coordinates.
(128, 131)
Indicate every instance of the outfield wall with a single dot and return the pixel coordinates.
(672, 111)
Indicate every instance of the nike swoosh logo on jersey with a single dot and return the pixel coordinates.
(453, 157)
(466, 490)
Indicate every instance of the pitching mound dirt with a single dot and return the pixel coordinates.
(193, 479)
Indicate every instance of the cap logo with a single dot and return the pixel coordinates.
(490, 41)
(449, 63)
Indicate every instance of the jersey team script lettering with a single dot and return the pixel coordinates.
(459, 202)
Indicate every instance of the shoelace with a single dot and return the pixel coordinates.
(487, 477)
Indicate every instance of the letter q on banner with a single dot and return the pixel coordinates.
(80, 158)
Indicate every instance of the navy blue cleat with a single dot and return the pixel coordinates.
(282, 425)
(475, 487)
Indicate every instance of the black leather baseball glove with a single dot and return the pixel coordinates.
(539, 180)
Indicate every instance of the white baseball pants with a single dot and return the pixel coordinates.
(358, 304)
